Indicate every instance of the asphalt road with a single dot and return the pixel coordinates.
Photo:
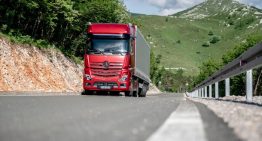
(94, 118)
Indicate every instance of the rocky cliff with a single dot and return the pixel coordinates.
(28, 68)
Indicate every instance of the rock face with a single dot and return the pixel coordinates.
(27, 68)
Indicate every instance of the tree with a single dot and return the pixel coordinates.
(206, 69)
(206, 44)
(214, 39)
(210, 33)
(239, 81)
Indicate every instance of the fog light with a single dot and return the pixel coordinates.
(88, 84)
(124, 78)
(88, 77)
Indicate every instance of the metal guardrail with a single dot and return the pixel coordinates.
(249, 60)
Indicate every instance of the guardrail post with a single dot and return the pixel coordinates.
(205, 91)
(203, 95)
(216, 90)
(210, 91)
(249, 86)
(196, 94)
(227, 86)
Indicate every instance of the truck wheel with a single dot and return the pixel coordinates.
(135, 94)
(143, 92)
(129, 93)
(87, 92)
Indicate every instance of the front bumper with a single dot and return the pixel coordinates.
(106, 84)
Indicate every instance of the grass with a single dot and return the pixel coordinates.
(15, 37)
(180, 40)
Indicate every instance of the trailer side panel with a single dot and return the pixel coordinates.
(142, 58)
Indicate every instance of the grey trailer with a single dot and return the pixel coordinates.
(142, 58)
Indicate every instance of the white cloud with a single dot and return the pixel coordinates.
(256, 3)
(167, 7)
(158, 3)
(169, 11)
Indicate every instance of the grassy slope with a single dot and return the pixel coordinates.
(189, 53)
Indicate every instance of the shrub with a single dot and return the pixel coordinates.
(231, 22)
(206, 44)
(4, 27)
(244, 22)
(210, 33)
(214, 39)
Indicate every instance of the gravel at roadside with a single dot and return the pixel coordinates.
(256, 99)
(245, 119)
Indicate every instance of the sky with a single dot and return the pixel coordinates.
(167, 7)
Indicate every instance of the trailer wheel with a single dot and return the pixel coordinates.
(135, 93)
(128, 93)
(143, 92)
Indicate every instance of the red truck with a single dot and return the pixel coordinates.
(117, 59)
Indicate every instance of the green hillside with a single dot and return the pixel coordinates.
(210, 29)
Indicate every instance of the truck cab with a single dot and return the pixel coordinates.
(109, 59)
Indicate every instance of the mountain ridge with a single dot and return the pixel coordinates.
(213, 7)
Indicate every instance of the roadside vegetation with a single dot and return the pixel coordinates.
(210, 66)
(167, 80)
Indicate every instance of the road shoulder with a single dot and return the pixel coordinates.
(245, 119)
(215, 127)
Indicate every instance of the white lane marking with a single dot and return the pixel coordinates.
(184, 124)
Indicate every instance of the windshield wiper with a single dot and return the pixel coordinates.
(119, 52)
(96, 51)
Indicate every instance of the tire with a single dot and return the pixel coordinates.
(135, 94)
(128, 94)
(115, 93)
(143, 92)
(87, 92)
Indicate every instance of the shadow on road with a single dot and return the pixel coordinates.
(102, 93)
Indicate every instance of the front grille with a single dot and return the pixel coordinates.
(105, 73)
(114, 69)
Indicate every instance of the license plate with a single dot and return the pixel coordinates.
(105, 87)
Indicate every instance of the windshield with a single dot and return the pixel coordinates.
(113, 46)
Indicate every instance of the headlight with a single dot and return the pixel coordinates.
(88, 77)
(124, 78)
